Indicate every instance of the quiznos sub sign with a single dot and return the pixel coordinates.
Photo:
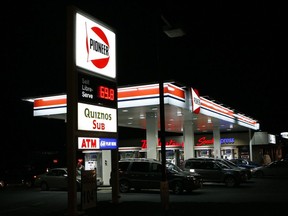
(96, 118)
(95, 47)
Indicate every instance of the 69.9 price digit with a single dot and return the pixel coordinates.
(106, 93)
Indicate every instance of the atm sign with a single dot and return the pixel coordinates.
(90, 143)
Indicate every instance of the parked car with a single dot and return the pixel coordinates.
(171, 167)
(233, 165)
(139, 173)
(213, 170)
(245, 163)
(56, 178)
(273, 169)
(17, 176)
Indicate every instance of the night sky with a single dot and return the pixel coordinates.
(235, 53)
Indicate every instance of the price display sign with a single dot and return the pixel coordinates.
(98, 91)
(105, 92)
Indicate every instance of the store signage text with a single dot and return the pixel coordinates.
(196, 103)
(96, 143)
(96, 118)
(94, 90)
(204, 141)
(95, 47)
(169, 143)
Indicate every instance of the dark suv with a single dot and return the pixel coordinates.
(213, 170)
(147, 173)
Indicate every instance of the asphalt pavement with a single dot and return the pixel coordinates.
(187, 208)
(265, 198)
(261, 197)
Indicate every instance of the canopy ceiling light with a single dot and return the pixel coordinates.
(171, 31)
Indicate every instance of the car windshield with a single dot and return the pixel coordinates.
(172, 167)
(223, 165)
(229, 163)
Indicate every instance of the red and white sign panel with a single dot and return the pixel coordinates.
(196, 103)
(95, 47)
(92, 143)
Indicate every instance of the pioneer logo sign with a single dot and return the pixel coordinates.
(196, 103)
(95, 47)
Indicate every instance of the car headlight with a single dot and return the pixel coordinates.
(192, 170)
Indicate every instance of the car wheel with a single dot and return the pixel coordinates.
(178, 188)
(124, 186)
(44, 186)
(230, 181)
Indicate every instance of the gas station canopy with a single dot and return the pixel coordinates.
(137, 101)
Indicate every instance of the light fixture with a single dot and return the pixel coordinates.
(284, 135)
(171, 31)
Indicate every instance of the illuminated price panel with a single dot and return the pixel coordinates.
(105, 92)
(94, 90)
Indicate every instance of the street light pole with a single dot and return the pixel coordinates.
(171, 33)
(164, 187)
(164, 183)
